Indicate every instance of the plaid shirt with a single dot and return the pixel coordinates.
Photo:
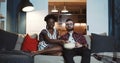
(77, 37)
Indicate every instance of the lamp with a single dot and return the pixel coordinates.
(64, 9)
(27, 6)
(54, 9)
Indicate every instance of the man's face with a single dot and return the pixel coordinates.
(69, 25)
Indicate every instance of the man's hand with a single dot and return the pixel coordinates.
(77, 45)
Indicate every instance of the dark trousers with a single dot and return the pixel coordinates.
(68, 54)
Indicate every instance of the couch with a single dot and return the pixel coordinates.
(10, 51)
(50, 58)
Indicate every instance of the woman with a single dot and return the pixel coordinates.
(49, 43)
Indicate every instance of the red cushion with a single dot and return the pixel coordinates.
(29, 44)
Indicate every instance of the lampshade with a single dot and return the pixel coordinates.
(54, 9)
(64, 9)
(27, 7)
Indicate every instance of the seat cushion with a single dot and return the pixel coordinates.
(15, 57)
(58, 59)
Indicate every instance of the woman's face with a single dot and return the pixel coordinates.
(50, 23)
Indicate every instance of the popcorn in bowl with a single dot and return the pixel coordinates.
(69, 45)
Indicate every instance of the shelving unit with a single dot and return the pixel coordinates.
(76, 10)
(2, 14)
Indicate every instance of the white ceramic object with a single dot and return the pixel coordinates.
(69, 45)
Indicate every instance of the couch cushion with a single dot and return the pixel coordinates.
(15, 56)
(30, 44)
(19, 41)
(102, 43)
(58, 59)
(88, 39)
(7, 40)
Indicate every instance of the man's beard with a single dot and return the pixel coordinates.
(70, 29)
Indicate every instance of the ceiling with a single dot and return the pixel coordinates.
(73, 6)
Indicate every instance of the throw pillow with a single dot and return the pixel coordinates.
(7, 40)
(102, 43)
(19, 41)
(88, 39)
(29, 44)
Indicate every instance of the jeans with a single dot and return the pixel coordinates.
(68, 54)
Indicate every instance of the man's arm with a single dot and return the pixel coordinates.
(80, 40)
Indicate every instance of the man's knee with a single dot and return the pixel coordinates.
(86, 51)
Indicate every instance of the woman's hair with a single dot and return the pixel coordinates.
(50, 16)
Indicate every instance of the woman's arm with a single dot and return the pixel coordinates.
(53, 40)
(43, 36)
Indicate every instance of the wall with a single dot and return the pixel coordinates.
(97, 16)
(35, 19)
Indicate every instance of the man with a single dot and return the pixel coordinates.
(80, 44)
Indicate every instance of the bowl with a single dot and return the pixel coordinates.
(69, 45)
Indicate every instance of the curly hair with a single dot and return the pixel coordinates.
(69, 20)
(50, 16)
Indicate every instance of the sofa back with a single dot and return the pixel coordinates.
(88, 39)
(21, 37)
(7, 40)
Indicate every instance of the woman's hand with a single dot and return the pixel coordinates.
(34, 52)
(63, 41)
